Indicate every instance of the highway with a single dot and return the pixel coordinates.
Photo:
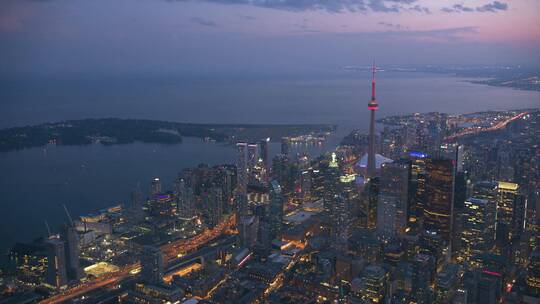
(171, 251)
(93, 284)
(176, 249)
(472, 131)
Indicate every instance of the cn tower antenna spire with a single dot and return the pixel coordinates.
(373, 69)
(372, 107)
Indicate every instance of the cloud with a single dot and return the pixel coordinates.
(202, 21)
(493, 7)
(420, 9)
(489, 7)
(333, 6)
(381, 6)
(462, 8)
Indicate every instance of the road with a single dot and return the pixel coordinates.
(170, 251)
(499, 126)
(93, 284)
(175, 249)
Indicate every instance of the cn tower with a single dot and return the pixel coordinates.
(372, 106)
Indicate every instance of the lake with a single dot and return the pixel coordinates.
(35, 183)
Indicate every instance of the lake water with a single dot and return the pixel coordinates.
(34, 183)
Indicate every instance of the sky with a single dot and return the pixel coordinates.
(65, 37)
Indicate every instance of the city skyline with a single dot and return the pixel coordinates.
(221, 152)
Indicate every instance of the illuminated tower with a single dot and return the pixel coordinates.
(439, 195)
(372, 106)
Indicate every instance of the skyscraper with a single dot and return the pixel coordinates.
(423, 269)
(248, 227)
(446, 283)
(252, 156)
(71, 239)
(242, 178)
(373, 284)
(331, 189)
(532, 280)
(487, 290)
(155, 187)
(285, 145)
(485, 190)
(151, 265)
(56, 263)
(136, 209)
(265, 156)
(340, 219)
(418, 185)
(213, 206)
(185, 199)
(276, 211)
(478, 233)
(438, 209)
(372, 106)
(510, 212)
(241, 168)
(393, 198)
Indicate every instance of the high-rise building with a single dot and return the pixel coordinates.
(393, 199)
(242, 175)
(331, 174)
(213, 206)
(469, 286)
(305, 185)
(370, 200)
(71, 239)
(285, 146)
(446, 283)
(265, 157)
(372, 285)
(532, 280)
(510, 213)
(479, 220)
(248, 227)
(281, 172)
(439, 204)
(423, 269)
(339, 215)
(151, 265)
(252, 160)
(136, 209)
(417, 185)
(487, 290)
(224, 178)
(387, 217)
(334, 204)
(242, 168)
(185, 199)
(372, 107)
(486, 190)
(56, 274)
(155, 187)
(275, 215)
(264, 239)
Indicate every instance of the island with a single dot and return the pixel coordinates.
(109, 131)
